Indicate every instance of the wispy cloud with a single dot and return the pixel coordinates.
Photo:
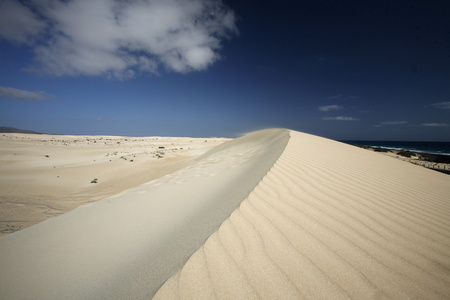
(334, 97)
(17, 95)
(105, 120)
(435, 124)
(351, 97)
(394, 123)
(330, 107)
(441, 105)
(340, 118)
(118, 38)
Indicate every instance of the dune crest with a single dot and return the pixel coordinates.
(127, 245)
(328, 221)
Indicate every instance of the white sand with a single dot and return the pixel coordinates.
(127, 245)
(43, 176)
(310, 218)
(329, 221)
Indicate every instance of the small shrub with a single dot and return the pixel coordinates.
(94, 181)
(381, 150)
(405, 153)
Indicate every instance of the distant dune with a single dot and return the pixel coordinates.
(16, 130)
(276, 214)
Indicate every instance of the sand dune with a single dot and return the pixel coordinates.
(125, 246)
(276, 214)
(328, 221)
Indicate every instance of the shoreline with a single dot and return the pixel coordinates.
(435, 162)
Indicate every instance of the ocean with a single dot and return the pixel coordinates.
(423, 147)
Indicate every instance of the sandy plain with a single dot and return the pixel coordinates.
(276, 214)
(43, 176)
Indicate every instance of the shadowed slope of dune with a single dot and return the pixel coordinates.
(126, 246)
(328, 221)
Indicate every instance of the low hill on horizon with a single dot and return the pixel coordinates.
(4, 129)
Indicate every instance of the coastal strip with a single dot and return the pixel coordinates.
(436, 162)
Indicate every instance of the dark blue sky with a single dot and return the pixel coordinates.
(375, 70)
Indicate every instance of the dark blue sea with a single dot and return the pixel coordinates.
(424, 147)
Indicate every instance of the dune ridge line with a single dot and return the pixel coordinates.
(328, 221)
(127, 245)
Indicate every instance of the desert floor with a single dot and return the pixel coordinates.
(43, 176)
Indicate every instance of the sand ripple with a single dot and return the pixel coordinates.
(328, 221)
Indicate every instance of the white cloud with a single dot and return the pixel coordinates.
(435, 124)
(118, 38)
(18, 23)
(394, 122)
(330, 107)
(340, 118)
(16, 94)
(441, 105)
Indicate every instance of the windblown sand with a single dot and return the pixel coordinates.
(43, 176)
(276, 214)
